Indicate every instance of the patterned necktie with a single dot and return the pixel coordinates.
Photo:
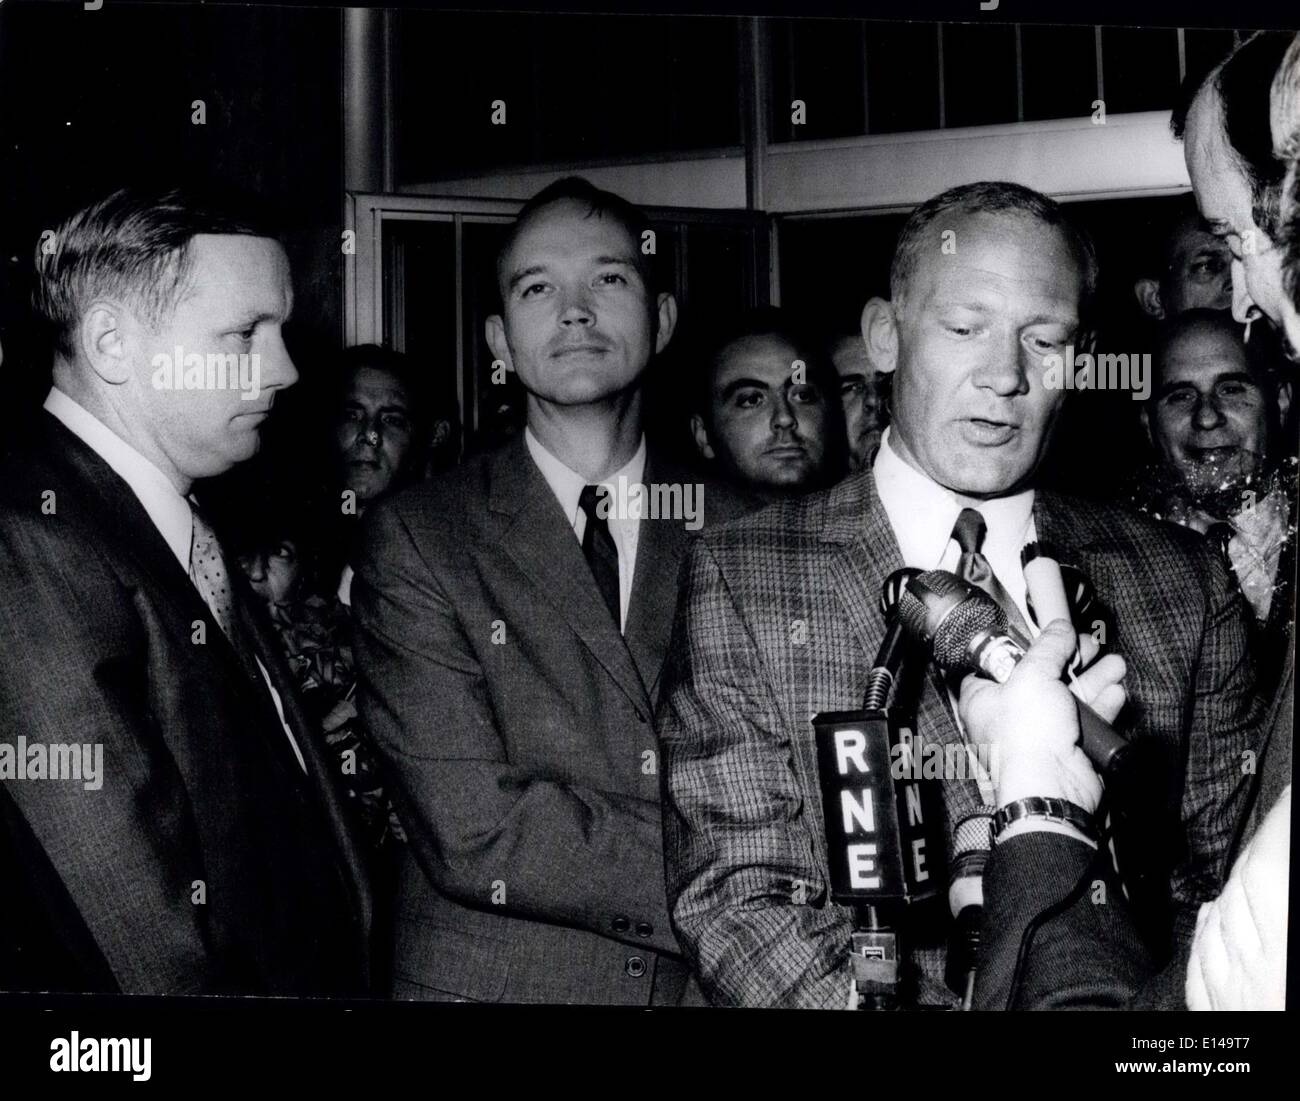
(208, 572)
(974, 567)
(599, 550)
(1220, 536)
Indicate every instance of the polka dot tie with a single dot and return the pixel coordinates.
(208, 572)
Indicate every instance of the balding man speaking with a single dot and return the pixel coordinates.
(779, 618)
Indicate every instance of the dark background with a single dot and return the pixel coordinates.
(90, 101)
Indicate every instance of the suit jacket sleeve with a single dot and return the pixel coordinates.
(72, 671)
(1088, 957)
(486, 830)
(1227, 713)
(749, 899)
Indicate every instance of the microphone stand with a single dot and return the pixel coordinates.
(875, 959)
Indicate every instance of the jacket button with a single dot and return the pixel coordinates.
(621, 925)
(645, 929)
(635, 966)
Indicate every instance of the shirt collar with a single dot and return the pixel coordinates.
(169, 511)
(922, 513)
(567, 485)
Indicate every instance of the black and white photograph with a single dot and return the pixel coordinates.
(513, 519)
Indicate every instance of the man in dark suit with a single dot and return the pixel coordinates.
(210, 853)
(512, 620)
(779, 618)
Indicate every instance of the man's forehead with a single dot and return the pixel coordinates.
(566, 230)
(1000, 255)
(1202, 355)
(245, 264)
(769, 358)
(377, 384)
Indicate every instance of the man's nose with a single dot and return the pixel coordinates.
(1001, 369)
(255, 567)
(1207, 414)
(783, 415)
(278, 371)
(1243, 306)
(577, 310)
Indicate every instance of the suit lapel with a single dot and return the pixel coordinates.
(866, 553)
(539, 539)
(661, 546)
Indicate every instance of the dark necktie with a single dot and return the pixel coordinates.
(974, 567)
(599, 549)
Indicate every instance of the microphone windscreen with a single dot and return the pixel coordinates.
(970, 617)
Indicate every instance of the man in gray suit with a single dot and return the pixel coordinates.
(512, 620)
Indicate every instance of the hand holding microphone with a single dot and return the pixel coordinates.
(1033, 724)
(968, 632)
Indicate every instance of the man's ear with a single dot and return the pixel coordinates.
(495, 331)
(1147, 292)
(1145, 417)
(441, 432)
(1283, 401)
(667, 321)
(880, 334)
(104, 332)
(701, 434)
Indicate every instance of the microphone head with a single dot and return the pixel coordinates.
(947, 612)
(893, 588)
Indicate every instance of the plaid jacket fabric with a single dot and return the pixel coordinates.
(779, 620)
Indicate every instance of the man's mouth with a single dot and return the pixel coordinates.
(1207, 456)
(579, 350)
(986, 432)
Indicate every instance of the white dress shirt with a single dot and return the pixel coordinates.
(171, 513)
(922, 514)
(567, 485)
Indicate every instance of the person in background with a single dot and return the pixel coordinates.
(278, 552)
(766, 420)
(864, 392)
(389, 431)
(1216, 423)
(1195, 269)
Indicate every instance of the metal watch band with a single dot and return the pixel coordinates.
(1054, 810)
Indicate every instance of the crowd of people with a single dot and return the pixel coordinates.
(532, 724)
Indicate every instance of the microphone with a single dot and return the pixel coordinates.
(969, 632)
(884, 836)
(893, 647)
(1044, 584)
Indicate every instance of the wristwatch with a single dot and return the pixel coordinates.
(1051, 809)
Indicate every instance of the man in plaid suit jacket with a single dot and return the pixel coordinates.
(779, 618)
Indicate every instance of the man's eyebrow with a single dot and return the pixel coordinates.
(852, 376)
(253, 317)
(524, 273)
(743, 384)
(624, 261)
